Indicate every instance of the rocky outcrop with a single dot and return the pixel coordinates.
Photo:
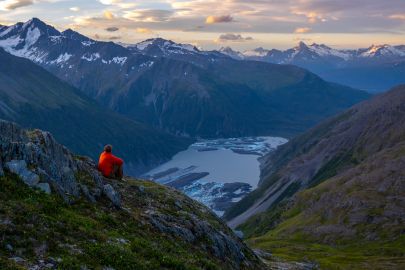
(112, 195)
(20, 167)
(143, 213)
(41, 162)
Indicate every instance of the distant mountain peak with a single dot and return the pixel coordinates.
(69, 33)
(382, 50)
(302, 45)
(163, 46)
(231, 53)
(37, 23)
(226, 49)
(320, 46)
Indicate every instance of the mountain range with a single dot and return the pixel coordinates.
(35, 98)
(374, 69)
(340, 186)
(178, 88)
(332, 197)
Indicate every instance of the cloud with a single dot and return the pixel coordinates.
(397, 16)
(119, 3)
(302, 30)
(143, 30)
(148, 15)
(109, 2)
(14, 4)
(218, 19)
(112, 29)
(105, 37)
(232, 38)
(75, 9)
(108, 15)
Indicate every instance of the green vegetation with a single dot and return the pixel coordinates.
(357, 255)
(37, 225)
(329, 225)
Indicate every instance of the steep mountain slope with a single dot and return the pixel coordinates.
(346, 178)
(33, 97)
(178, 88)
(88, 222)
(376, 68)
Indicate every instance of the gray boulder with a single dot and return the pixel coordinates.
(44, 187)
(112, 195)
(19, 167)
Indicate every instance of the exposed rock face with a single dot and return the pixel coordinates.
(20, 167)
(42, 162)
(112, 195)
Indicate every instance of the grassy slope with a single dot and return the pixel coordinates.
(329, 224)
(88, 234)
(351, 214)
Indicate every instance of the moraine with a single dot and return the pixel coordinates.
(217, 172)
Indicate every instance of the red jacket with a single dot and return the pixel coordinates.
(106, 163)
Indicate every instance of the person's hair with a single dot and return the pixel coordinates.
(108, 148)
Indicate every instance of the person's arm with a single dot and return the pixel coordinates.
(117, 161)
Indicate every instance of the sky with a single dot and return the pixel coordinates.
(211, 24)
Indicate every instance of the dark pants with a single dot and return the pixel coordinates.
(117, 173)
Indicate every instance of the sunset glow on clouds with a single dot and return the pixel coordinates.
(213, 23)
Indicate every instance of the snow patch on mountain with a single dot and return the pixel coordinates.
(143, 45)
(146, 64)
(323, 50)
(10, 43)
(117, 60)
(165, 46)
(87, 43)
(184, 47)
(8, 30)
(91, 57)
(61, 58)
(56, 39)
(33, 35)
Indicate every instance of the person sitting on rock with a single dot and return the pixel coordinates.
(109, 165)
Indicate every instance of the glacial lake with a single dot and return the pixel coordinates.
(220, 161)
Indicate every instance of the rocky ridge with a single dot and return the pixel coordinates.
(164, 220)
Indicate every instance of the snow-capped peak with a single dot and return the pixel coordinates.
(323, 50)
(231, 53)
(166, 46)
(382, 50)
(259, 52)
